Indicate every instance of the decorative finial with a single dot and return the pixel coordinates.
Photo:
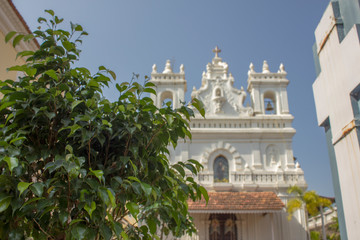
(282, 68)
(217, 50)
(251, 67)
(182, 68)
(265, 68)
(168, 68)
(203, 74)
(154, 69)
(194, 88)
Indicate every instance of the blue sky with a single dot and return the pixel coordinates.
(129, 36)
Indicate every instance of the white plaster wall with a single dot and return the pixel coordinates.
(348, 155)
(340, 74)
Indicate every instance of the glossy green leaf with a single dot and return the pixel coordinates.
(12, 162)
(90, 209)
(51, 73)
(17, 39)
(204, 193)
(133, 209)
(4, 202)
(150, 90)
(24, 54)
(68, 45)
(75, 103)
(152, 225)
(22, 186)
(112, 197)
(103, 194)
(9, 36)
(113, 75)
(199, 106)
(30, 71)
(180, 169)
(118, 228)
(146, 188)
(105, 231)
(37, 188)
(124, 235)
(51, 12)
(98, 173)
(79, 232)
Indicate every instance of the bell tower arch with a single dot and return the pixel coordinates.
(268, 90)
(169, 86)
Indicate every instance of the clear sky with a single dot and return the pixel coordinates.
(129, 36)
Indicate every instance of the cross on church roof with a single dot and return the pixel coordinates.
(216, 51)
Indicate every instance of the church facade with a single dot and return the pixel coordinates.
(246, 152)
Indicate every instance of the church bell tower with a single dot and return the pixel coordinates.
(268, 90)
(170, 86)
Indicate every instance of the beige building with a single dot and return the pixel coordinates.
(11, 20)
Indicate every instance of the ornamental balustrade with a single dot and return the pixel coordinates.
(254, 178)
(248, 124)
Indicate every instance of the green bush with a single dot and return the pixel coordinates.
(75, 165)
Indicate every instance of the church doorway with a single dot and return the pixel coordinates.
(222, 227)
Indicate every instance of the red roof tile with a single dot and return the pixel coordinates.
(238, 202)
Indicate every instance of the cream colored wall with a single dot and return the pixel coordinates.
(7, 59)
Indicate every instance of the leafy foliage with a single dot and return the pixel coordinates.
(335, 230)
(310, 199)
(75, 165)
(314, 235)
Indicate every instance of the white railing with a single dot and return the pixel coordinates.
(255, 178)
(329, 214)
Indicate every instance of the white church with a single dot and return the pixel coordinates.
(246, 152)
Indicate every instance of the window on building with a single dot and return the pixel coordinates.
(269, 103)
(221, 169)
(222, 227)
(167, 99)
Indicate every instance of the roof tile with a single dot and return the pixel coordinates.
(239, 201)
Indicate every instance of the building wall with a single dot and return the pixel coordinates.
(8, 59)
(11, 20)
(338, 53)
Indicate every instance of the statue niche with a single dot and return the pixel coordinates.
(272, 156)
(221, 169)
(218, 99)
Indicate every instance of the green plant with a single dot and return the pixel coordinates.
(312, 203)
(75, 165)
(334, 228)
(314, 235)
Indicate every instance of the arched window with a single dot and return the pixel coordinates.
(167, 99)
(270, 103)
(222, 227)
(221, 169)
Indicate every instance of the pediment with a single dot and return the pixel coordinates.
(220, 97)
